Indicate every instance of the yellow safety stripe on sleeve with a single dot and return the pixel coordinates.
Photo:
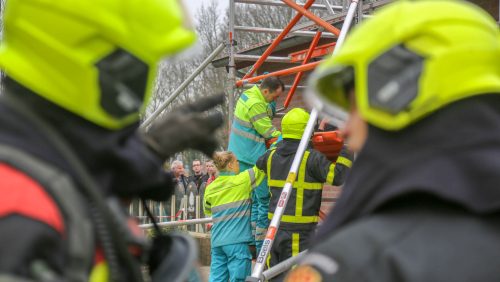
(269, 163)
(296, 219)
(307, 185)
(295, 244)
(299, 199)
(344, 161)
(331, 174)
(258, 116)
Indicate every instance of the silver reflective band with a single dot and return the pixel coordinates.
(243, 123)
(230, 205)
(269, 132)
(252, 177)
(259, 116)
(233, 216)
(247, 135)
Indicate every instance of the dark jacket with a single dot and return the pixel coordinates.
(421, 204)
(32, 225)
(198, 179)
(306, 194)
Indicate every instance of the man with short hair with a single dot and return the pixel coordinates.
(252, 126)
(182, 183)
(198, 177)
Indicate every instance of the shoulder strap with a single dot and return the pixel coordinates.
(108, 231)
(80, 235)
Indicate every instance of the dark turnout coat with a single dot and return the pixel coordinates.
(420, 204)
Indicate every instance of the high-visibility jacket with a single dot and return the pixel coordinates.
(302, 209)
(228, 201)
(251, 127)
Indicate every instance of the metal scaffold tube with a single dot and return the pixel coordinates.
(292, 175)
(319, 21)
(292, 70)
(299, 75)
(183, 85)
(281, 4)
(178, 223)
(232, 66)
(303, 33)
(272, 59)
(277, 41)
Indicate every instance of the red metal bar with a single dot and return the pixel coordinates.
(277, 41)
(312, 17)
(319, 51)
(298, 76)
(284, 72)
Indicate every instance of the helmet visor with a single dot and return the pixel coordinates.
(329, 91)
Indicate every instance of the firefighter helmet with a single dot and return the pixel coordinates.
(294, 123)
(407, 62)
(95, 58)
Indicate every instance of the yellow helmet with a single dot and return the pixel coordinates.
(294, 123)
(411, 59)
(95, 58)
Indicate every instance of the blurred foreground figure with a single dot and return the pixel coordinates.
(79, 74)
(421, 81)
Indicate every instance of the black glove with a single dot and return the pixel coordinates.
(186, 127)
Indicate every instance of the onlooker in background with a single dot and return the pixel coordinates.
(198, 177)
(211, 171)
(228, 200)
(181, 187)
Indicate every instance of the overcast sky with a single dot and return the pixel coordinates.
(194, 5)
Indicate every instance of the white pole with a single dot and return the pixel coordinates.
(292, 174)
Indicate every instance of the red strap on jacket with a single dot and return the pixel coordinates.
(19, 194)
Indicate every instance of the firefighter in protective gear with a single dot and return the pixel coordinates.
(252, 126)
(79, 73)
(228, 200)
(302, 211)
(423, 97)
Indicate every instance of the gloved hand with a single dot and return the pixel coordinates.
(186, 127)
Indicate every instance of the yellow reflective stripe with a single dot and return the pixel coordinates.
(344, 161)
(99, 273)
(247, 135)
(295, 244)
(296, 219)
(258, 116)
(269, 163)
(281, 183)
(331, 174)
(243, 123)
(299, 199)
